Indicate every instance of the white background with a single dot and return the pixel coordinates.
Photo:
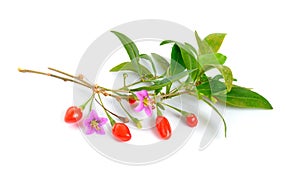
(262, 47)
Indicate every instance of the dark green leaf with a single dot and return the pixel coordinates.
(189, 59)
(177, 64)
(131, 49)
(244, 98)
(157, 91)
(127, 66)
(203, 78)
(215, 41)
(215, 58)
(190, 63)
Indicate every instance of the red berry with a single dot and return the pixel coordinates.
(73, 114)
(191, 120)
(163, 127)
(121, 132)
(131, 100)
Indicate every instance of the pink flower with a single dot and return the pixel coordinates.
(145, 102)
(94, 123)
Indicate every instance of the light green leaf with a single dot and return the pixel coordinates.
(244, 98)
(211, 88)
(180, 45)
(215, 58)
(215, 41)
(149, 58)
(227, 76)
(191, 48)
(167, 42)
(158, 84)
(226, 73)
(164, 64)
(131, 50)
(127, 66)
(203, 46)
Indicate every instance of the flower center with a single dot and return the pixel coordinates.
(94, 124)
(146, 101)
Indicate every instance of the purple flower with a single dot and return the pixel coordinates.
(94, 123)
(145, 102)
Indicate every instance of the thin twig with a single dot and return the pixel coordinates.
(72, 76)
(52, 75)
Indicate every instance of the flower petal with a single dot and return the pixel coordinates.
(140, 96)
(90, 131)
(144, 93)
(102, 121)
(140, 107)
(94, 115)
(148, 110)
(87, 122)
(100, 131)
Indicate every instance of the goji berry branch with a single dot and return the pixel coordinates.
(184, 74)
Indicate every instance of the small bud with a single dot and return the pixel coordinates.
(80, 76)
(20, 69)
(138, 124)
(96, 89)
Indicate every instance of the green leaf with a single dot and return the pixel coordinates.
(177, 65)
(180, 45)
(204, 78)
(211, 88)
(131, 50)
(164, 64)
(158, 84)
(244, 98)
(189, 59)
(190, 63)
(227, 76)
(167, 42)
(215, 41)
(226, 73)
(215, 58)
(191, 48)
(127, 66)
(147, 57)
(203, 46)
(157, 91)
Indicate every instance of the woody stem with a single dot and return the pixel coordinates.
(53, 75)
